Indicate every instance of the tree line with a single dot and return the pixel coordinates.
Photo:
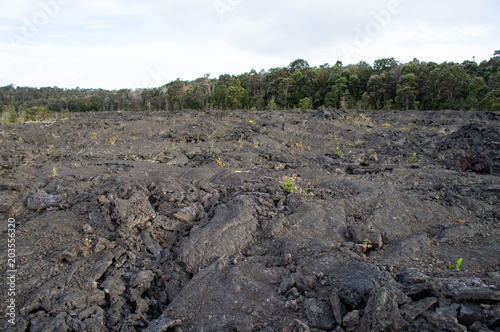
(388, 84)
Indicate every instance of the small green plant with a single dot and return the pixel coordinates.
(150, 132)
(88, 244)
(457, 266)
(112, 140)
(252, 122)
(65, 114)
(94, 137)
(367, 243)
(220, 162)
(53, 172)
(440, 159)
(256, 144)
(413, 159)
(288, 184)
(338, 151)
(325, 146)
(297, 145)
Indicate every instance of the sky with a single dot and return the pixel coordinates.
(115, 44)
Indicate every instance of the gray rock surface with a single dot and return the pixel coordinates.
(156, 233)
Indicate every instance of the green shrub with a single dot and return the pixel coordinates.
(305, 103)
(288, 184)
(9, 115)
(37, 113)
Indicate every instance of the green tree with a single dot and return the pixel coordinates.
(337, 93)
(176, 95)
(448, 82)
(383, 65)
(406, 93)
(284, 85)
(237, 96)
(375, 90)
(365, 101)
(305, 103)
(322, 87)
(491, 101)
(476, 91)
(195, 96)
(298, 65)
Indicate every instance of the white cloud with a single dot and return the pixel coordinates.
(425, 32)
(131, 66)
(118, 43)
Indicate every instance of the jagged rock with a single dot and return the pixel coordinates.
(288, 282)
(114, 314)
(186, 214)
(351, 320)
(69, 255)
(410, 311)
(319, 314)
(203, 247)
(134, 211)
(96, 321)
(46, 323)
(296, 326)
(7, 200)
(103, 260)
(114, 284)
(101, 244)
(443, 321)
(469, 313)
(87, 229)
(151, 245)
(314, 224)
(230, 230)
(142, 279)
(235, 296)
(176, 159)
(478, 327)
(356, 280)
(41, 200)
(267, 329)
(162, 324)
(337, 306)
(412, 276)
(381, 312)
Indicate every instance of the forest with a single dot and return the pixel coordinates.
(388, 84)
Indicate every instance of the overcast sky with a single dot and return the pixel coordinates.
(115, 44)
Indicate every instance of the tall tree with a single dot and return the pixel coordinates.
(449, 81)
(406, 94)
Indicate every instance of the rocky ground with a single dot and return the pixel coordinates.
(253, 221)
